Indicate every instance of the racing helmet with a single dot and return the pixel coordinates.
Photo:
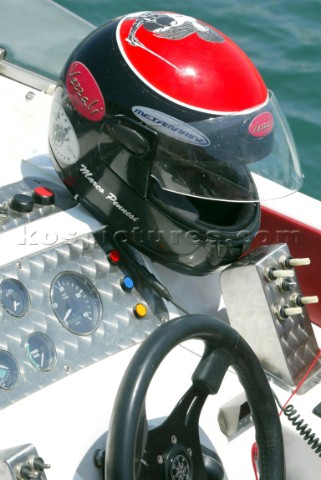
(164, 129)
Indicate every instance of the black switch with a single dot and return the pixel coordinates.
(21, 203)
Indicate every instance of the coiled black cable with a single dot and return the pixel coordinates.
(303, 428)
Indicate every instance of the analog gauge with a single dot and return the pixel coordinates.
(76, 303)
(14, 297)
(41, 351)
(9, 370)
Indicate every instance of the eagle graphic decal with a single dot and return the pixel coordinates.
(167, 26)
(172, 27)
(182, 59)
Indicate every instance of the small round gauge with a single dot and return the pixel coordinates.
(14, 297)
(76, 303)
(41, 351)
(9, 370)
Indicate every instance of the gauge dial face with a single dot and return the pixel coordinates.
(41, 351)
(76, 303)
(9, 370)
(14, 297)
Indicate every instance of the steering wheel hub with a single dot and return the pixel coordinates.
(178, 464)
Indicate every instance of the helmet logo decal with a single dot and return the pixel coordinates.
(171, 126)
(261, 125)
(171, 26)
(84, 92)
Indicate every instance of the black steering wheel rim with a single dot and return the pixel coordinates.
(123, 429)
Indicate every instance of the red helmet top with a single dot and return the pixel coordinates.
(181, 58)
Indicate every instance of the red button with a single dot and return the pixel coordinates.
(114, 256)
(43, 196)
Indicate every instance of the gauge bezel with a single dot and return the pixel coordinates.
(94, 296)
(14, 368)
(51, 349)
(16, 284)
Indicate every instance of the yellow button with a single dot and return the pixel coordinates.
(140, 310)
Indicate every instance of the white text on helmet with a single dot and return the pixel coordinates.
(111, 196)
(171, 126)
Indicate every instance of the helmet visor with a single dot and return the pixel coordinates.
(244, 157)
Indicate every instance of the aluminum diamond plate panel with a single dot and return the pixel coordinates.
(285, 344)
(119, 327)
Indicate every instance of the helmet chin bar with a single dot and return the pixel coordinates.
(159, 455)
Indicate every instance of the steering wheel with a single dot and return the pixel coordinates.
(173, 450)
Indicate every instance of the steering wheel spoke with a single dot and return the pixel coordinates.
(173, 448)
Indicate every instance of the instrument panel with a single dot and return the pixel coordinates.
(66, 308)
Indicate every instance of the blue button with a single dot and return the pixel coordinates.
(127, 283)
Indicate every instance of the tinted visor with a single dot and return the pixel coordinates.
(227, 157)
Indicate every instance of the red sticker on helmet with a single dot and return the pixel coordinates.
(261, 125)
(84, 92)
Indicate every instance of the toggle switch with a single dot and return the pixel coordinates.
(38, 464)
(25, 472)
(286, 284)
(285, 311)
(289, 262)
(302, 300)
(274, 273)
